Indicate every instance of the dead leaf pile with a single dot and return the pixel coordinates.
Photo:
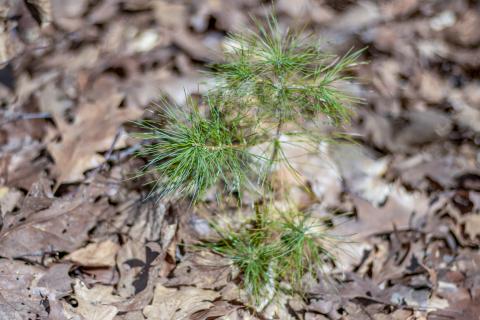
(79, 241)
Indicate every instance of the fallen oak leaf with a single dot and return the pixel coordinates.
(202, 269)
(13, 39)
(95, 303)
(142, 282)
(193, 46)
(221, 309)
(101, 254)
(38, 289)
(93, 130)
(402, 210)
(9, 198)
(178, 304)
(63, 226)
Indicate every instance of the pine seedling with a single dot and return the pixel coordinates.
(283, 80)
(254, 255)
(268, 252)
(191, 152)
(272, 88)
(307, 246)
(284, 76)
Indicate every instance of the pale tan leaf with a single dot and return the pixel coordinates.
(170, 304)
(100, 254)
(93, 130)
(62, 226)
(93, 304)
(44, 9)
(28, 284)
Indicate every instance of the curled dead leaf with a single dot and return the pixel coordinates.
(94, 303)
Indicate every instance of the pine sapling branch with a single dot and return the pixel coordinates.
(273, 84)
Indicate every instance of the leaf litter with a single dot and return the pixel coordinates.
(78, 242)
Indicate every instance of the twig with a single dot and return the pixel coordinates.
(108, 155)
(25, 116)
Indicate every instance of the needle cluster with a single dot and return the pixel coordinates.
(270, 251)
(192, 151)
(283, 76)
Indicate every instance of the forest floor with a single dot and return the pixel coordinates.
(77, 240)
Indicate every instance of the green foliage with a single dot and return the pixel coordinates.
(307, 246)
(273, 87)
(284, 75)
(253, 255)
(273, 251)
(270, 80)
(192, 152)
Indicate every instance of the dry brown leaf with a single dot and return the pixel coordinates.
(362, 172)
(9, 198)
(93, 304)
(472, 94)
(24, 287)
(100, 254)
(423, 127)
(306, 9)
(432, 87)
(472, 226)
(467, 115)
(194, 46)
(298, 8)
(400, 7)
(130, 250)
(178, 88)
(93, 130)
(63, 226)
(311, 168)
(227, 14)
(10, 45)
(138, 275)
(53, 100)
(178, 304)
(171, 14)
(401, 211)
(386, 76)
(203, 269)
(221, 309)
(361, 15)
(19, 161)
(314, 316)
(465, 31)
(42, 9)
(68, 13)
(418, 171)
(12, 37)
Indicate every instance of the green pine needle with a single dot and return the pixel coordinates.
(307, 246)
(267, 253)
(251, 253)
(192, 152)
(284, 75)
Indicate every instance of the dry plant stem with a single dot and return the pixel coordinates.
(274, 155)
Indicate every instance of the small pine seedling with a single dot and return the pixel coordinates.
(192, 152)
(273, 83)
(254, 255)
